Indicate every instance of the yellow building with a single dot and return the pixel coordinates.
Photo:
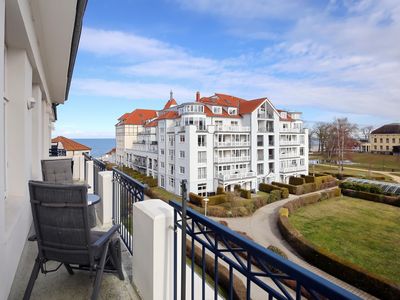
(384, 138)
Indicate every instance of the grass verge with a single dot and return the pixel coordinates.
(362, 232)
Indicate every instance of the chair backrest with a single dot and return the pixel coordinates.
(60, 215)
(57, 170)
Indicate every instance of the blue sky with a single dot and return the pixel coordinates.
(325, 58)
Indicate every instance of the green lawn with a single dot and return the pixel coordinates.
(363, 232)
(377, 162)
(349, 172)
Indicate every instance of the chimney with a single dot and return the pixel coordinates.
(171, 95)
(197, 96)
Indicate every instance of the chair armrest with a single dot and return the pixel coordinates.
(105, 237)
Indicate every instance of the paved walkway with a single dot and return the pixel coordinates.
(262, 227)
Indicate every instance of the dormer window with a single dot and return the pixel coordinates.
(217, 110)
(232, 111)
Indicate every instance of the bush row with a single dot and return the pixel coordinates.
(391, 200)
(297, 189)
(307, 184)
(267, 188)
(363, 187)
(347, 271)
(148, 180)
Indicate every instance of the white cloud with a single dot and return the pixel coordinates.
(109, 42)
(347, 64)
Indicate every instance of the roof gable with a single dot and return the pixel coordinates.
(171, 102)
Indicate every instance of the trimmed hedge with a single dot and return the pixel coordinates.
(245, 194)
(196, 199)
(275, 195)
(267, 188)
(296, 180)
(217, 199)
(390, 200)
(337, 266)
(369, 188)
(220, 190)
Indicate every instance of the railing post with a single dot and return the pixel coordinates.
(154, 241)
(105, 189)
(89, 175)
(183, 254)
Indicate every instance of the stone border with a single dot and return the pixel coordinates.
(330, 263)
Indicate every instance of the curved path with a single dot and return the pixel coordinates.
(262, 227)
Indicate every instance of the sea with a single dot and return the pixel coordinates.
(99, 146)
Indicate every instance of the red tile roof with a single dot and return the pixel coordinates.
(168, 115)
(70, 145)
(170, 103)
(246, 107)
(153, 123)
(138, 117)
(224, 114)
(111, 151)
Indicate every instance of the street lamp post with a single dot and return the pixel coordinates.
(205, 206)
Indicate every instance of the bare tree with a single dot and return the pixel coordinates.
(345, 132)
(321, 131)
(366, 132)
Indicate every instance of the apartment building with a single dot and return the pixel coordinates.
(214, 141)
(385, 138)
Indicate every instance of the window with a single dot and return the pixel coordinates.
(201, 140)
(387, 147)
(260, 169)
(301, 151)
(381, 140)
(381, 147)
(387, 140)
(260, 140)
(234, 123)
(375, 140)
(375, 147)
(202, 157)
(162, 165)
(260, 154)
(393, 140)
(182, 170)
(271, 167)
(202, 173)
(232, 111)
(162, 138)
(182, 154)
(172, 182)
(162, 181)
(171, 169)
(162, 151)
(182, 138)
(217, 110)
(201, 189)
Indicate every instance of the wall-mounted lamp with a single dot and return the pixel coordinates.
(31, 103)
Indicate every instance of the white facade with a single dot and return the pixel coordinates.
(35, 68)
(213, 143)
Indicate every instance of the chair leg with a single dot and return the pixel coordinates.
(69, 269)
(32, 279)
(99, 274)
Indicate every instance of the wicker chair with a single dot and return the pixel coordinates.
(57, 170)
(60, 216)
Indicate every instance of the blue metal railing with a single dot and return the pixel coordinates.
(126, 191)
(53, 152)
(257, 265)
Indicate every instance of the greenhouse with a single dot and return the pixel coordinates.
(387, 187)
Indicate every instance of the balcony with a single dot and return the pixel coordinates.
(289, 143)
(231, 159)
(288, 155)
(291, 130)
(266, 130)
(291, 169)
(122, 203)
(145, 147)
(232, 128)
(235, 176)
(232, 144)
